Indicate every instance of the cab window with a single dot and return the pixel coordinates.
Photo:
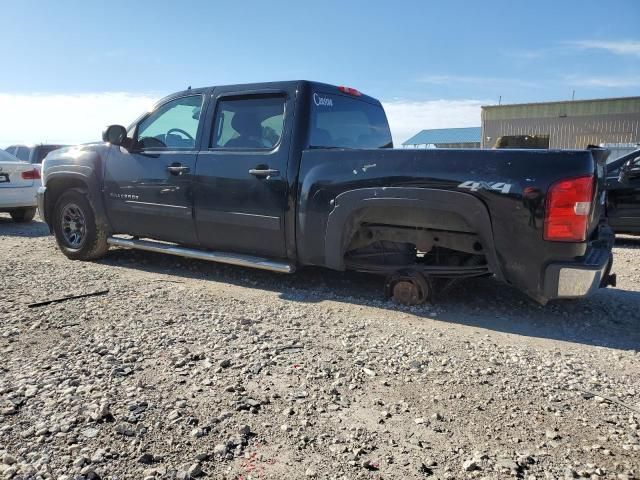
(339, 121)
(171, 126)
(254, 122)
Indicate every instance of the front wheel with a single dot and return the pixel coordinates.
(23, 215)
(75, 227)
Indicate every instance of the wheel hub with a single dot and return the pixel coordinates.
(406, 293)
(73, 225)
(408, 288)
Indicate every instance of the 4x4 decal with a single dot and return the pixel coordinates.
(474, 186)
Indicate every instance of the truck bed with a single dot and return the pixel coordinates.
(509, 188)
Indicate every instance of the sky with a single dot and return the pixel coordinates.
(71, 67)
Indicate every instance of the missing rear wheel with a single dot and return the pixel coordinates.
(408, 287)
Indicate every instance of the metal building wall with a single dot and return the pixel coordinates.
(569, 124)
(575, 132)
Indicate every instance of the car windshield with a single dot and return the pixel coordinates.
(339, 121)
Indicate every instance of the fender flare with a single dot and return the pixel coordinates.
(85, 175)
(348, 204)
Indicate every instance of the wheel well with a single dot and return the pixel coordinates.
(375, 245)
(413, 215)
(422, 239)
(57, 187)
(387, 238)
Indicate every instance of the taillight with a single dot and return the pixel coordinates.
(567, 210)
(31, 174)
(350, 91)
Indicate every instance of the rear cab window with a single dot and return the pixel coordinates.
(346, 121)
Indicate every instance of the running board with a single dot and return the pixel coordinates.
(220, 257)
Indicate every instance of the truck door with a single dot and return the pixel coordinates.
(241, 191)
(148, 190)
(623, 199)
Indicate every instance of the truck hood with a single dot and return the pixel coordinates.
(77, 158)
(75, 151)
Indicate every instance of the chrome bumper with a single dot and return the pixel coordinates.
(584, 276)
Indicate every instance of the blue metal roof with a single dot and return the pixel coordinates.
(446, 135)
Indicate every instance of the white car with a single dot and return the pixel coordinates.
(19, 182)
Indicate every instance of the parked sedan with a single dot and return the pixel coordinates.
(623, 193)
(19, 183)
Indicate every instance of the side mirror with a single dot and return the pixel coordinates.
(114, 134)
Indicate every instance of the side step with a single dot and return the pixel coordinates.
(221, 257)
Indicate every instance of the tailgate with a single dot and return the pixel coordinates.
(11, 174)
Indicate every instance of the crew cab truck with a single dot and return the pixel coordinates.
(289, 174)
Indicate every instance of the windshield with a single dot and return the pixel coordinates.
(338, 121)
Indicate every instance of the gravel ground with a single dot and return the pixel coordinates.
(189, 369)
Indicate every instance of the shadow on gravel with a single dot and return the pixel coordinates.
(610, 318)
(31, 229)
(627, 241)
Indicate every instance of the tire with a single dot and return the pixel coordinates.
(23, 215)
(77, 233)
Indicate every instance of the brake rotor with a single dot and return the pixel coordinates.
(407, 288)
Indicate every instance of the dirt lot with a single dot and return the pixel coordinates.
(190, 369)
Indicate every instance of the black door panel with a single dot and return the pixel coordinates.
(149, 190)
(144, 198)
(241, 189)
(236, 211)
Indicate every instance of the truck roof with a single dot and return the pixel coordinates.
(247, 87)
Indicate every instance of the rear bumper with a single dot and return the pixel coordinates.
(583, 276)
(18, 197)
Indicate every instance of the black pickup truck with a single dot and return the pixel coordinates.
(288, 174)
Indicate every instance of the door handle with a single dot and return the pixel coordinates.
(177, 169)
(264, 172)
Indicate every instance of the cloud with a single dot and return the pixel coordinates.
(603, 82)
(478, 81)
(80, 118)
(66, 118)
(618, 47)
(526, 54)
(407, 118)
